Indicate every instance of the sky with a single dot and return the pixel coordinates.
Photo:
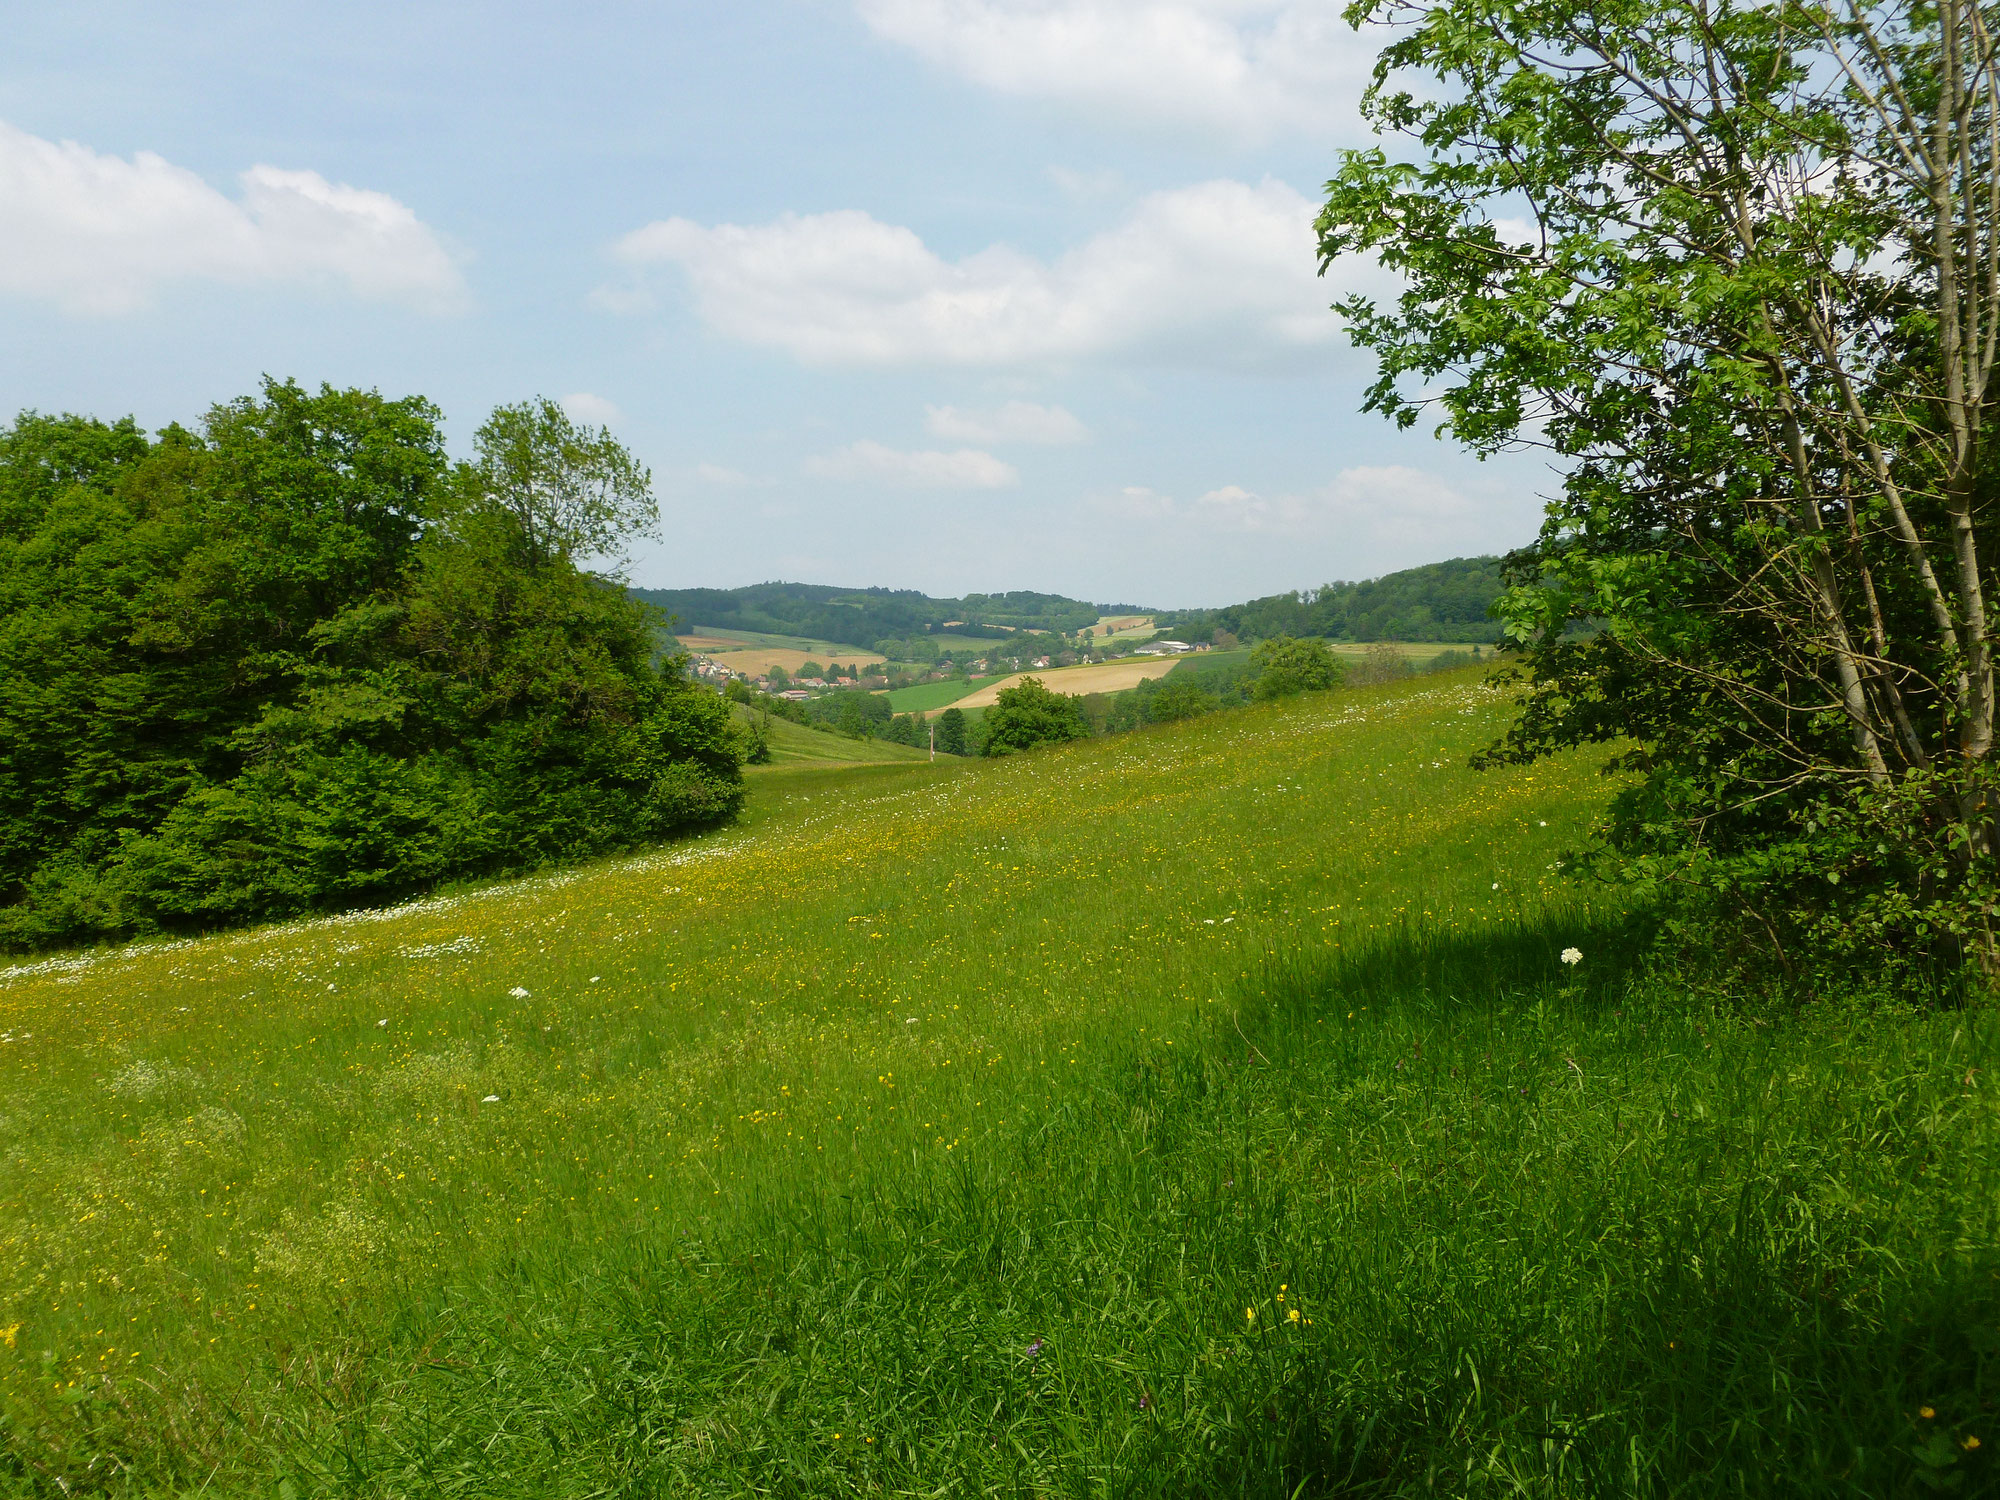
(956, 295)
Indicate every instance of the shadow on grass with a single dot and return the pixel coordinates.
(1435, 971)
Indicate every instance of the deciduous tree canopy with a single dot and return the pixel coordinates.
(297, 659)
(1738, 265)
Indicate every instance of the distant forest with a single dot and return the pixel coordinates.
(861, 617)
(1446, 601)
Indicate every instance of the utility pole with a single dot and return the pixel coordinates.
(933, 729)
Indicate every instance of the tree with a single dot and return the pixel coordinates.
(1175, 701)
(572, 488)
(1738, 269)
(1286, 667)
(1028, 714)
(951, 731)
(283, 664)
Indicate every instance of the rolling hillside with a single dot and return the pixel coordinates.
(1216, 1109)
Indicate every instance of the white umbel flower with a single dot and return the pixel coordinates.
(1572, 955)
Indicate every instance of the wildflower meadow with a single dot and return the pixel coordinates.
(1254, 1106)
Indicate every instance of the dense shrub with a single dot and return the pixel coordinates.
(1028, 714)
(1286, 667)
(299, 660)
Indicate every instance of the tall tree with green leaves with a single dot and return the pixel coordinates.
(1737, 266)
(1028, 715)
(572, 488)
(296, 660)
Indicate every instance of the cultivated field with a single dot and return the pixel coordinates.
(1204, 1111)
(1126, 627)
(757, 661)
(927, 697)
(1415, 650)
(1098, 677)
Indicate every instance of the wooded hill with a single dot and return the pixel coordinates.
(1446, 601)
(861, 617)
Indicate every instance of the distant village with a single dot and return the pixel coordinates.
(884, 676)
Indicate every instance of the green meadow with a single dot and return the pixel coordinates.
(927, 697)
(1205, 1110)
(797, 745)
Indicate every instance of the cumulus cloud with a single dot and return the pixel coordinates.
(1015, 422)
(1219, 273)
(927, 469)
(1388, 503)
(99, 234)
(1253, 69)
(596, 410)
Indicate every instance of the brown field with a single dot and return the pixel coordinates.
(708, 645)
(1101, 677)
(1123, 624)
(1415, 650)
(758, 660)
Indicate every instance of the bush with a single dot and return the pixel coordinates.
(1287, 666)
(1028, 715)
(298, 661)
(1381, 664)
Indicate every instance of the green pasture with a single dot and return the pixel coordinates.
(927, 697)
(1200, 1111)
(1206, 662)
(801, 745)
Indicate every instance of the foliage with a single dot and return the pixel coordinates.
(1286, 667)
(1028, 715)
(854, 711)
(940, 1129)
(296, 661)
(951, 731)
(870, 618)
(1736, 269)
(1445, 601)
(572, 490)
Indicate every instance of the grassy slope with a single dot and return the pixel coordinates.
(926, 697)
(794, 745)
(982, 1125)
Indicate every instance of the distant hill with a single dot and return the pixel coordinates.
(861, 617)
(1444, 601)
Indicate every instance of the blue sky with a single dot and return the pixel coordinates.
(945, 294)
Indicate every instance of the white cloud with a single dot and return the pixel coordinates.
(929, 469)
(1252, 69)
(1015, 422)
(1378, 504)
(99, 234)
(1220, 273)
(596, 410)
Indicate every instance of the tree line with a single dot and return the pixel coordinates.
(1445, 601)
(295, 658)
(863, 617)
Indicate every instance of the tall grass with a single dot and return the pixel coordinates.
(980, 1129)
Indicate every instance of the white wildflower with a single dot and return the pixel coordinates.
(518, 993)
(490, 1099)
(1572, 955)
